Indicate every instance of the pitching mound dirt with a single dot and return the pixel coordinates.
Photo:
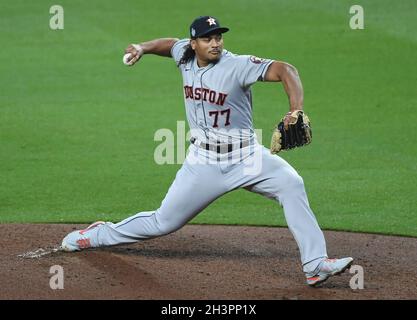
(200, 262)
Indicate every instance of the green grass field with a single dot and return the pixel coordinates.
(77, 127)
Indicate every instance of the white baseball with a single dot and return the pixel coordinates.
(126, 58)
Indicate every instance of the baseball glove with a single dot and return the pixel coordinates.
(298, 133)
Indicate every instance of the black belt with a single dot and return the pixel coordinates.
(221, 148)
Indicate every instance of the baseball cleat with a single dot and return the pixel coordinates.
(330, 267)
(80, 239)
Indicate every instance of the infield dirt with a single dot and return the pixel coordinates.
(202, 262)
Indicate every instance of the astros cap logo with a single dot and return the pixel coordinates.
(211, 21)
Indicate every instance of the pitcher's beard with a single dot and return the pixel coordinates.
(214, 61)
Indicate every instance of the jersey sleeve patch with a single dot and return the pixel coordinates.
(257, 60)
(250, 69)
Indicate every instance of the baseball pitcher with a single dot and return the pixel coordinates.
(218, 103)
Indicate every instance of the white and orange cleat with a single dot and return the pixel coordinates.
(329, 267)
(80, 239)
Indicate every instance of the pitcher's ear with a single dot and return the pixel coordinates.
(193, 43)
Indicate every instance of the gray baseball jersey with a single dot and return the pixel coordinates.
(218, 97)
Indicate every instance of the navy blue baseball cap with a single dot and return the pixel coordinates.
(205, 25)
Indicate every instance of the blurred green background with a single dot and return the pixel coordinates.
(77, 126)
